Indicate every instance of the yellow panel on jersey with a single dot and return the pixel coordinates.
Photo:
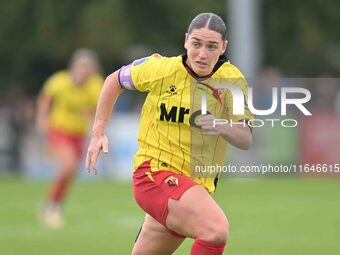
(167, 134)
(72, 104)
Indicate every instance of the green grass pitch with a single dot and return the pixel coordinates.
(267, 217)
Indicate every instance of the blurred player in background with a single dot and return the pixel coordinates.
(65, 109)
(177, 203)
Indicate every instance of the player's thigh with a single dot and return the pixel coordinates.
(195, 212)
(155, 239)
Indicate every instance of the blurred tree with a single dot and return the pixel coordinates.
(163, 23)
(299, 35)
(38, 36)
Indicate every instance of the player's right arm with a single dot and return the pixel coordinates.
(48, 92)
(42, 111)
(135, 76)
(107, 99)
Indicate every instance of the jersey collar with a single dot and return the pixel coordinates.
(222, 59)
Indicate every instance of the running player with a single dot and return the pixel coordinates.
(65, 108)
(175, 136)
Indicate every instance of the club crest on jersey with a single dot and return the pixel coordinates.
(171, 181)
(217, 94)
(172, 90)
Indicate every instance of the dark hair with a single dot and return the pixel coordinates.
(210, 21)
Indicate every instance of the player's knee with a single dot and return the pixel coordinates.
(219, 234)
(69, 166)
(68, 171)
(216, 232)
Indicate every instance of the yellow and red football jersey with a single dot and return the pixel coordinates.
(168, 135)
(72, 105)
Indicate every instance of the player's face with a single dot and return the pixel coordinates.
(81, 70)
(204, 46)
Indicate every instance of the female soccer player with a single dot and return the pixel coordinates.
(65, 107)
(176, 136)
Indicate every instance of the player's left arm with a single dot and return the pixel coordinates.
(238, 133)
(236, 129)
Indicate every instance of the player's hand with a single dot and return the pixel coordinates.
(97, 144)
(208, 126)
